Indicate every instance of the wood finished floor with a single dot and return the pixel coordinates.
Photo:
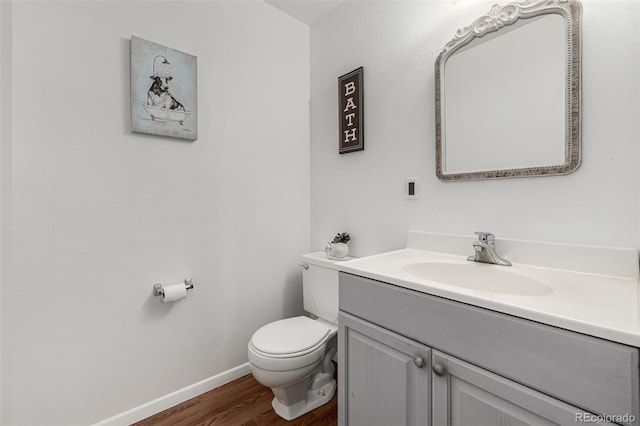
(243, 402)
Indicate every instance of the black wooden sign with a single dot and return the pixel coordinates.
(351, 111)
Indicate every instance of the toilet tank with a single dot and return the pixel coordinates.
(320, 286)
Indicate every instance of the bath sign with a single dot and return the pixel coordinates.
(350, 111)
(163, 90)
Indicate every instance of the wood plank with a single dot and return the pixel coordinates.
(243, 402)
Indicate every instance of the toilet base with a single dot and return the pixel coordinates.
(314, 399)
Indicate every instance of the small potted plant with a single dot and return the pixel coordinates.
(337, 248)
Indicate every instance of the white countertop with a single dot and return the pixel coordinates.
(597, 304)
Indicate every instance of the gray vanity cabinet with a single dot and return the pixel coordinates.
(409, 358)
(465, 395)
(389, 376)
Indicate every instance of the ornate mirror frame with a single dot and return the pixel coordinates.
(497, 18)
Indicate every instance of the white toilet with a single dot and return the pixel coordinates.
(293, 356)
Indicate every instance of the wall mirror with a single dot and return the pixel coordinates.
(508, 93)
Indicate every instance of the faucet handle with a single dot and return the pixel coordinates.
(485, 237)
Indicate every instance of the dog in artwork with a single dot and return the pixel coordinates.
(159, 95)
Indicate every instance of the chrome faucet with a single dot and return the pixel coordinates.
(485, 249)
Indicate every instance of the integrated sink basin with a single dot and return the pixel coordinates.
(478, 276)
(587, 289)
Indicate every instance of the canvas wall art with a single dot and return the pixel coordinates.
(164, 98)
(351, 111)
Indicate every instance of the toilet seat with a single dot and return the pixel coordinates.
(289, 344)
(290, 337)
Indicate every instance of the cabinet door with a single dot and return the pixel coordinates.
(383, 378)
(466, 395)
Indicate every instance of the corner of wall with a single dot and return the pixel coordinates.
(5, 171)
(638, 120)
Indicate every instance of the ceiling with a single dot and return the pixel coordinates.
(306, 11)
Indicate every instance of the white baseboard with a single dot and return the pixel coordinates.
(174, 398)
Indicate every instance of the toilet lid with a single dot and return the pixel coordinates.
(289, 336)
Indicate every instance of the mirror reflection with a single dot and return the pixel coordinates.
(508, 94)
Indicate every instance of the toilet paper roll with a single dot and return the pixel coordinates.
(174, 292)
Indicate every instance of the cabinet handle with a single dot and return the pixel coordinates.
(438, 370)
(418, 362)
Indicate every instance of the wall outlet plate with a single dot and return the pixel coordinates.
(411, 188)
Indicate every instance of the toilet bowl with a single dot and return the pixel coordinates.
(294, 356)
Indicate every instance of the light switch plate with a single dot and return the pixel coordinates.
(411, 188)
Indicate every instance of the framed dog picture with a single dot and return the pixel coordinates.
(351, 112)
(164, 95)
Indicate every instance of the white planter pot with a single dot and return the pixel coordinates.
(337, 250)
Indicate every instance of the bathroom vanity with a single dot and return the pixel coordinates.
(552, 339)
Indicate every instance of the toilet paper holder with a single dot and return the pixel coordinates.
(158, 291)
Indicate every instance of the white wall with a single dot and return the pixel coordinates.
(397, 43)
(100, 214)
(5, 151)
